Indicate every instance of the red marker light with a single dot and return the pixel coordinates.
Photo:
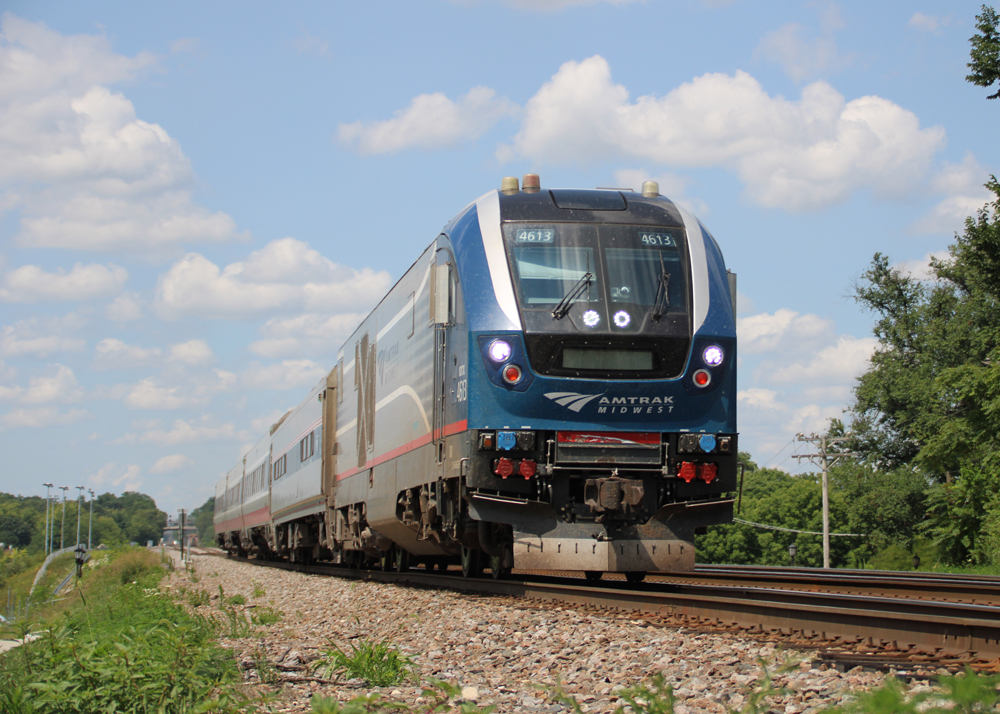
(512, 374)
(702, 377)
(504, 467)
(687, 472)
(527, 469)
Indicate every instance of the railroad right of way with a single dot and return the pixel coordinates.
(509, 652)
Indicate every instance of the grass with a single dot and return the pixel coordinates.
(125, 646)
(379, 664)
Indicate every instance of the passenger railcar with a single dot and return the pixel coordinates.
(551, 385)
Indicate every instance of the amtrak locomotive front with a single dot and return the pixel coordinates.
(552, 385)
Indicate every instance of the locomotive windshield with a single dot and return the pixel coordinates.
(615, 295)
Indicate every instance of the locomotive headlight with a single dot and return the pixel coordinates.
(591, 318)
(713, 355)
(499, 351)
(622, 318)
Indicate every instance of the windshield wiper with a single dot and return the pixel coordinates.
(574, 292)
(662, 301)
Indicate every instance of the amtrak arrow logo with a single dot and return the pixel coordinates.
(574, 401)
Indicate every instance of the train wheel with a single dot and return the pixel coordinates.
(402, 560)
(636, 576)
(472, 564)
(386, 560)
(497, 568)
(593, 574)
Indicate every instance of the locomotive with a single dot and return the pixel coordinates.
(551, 385)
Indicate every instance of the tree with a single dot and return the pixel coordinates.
(14, 530)
(985, 53)
(203, 518)
(931, 396)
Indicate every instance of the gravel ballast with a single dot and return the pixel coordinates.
(502, 651)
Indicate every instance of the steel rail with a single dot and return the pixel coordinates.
(925, 629)
(981, 590)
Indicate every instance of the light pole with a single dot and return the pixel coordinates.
(48, 503)
(79, 507)
(62, 529)
(90, 528)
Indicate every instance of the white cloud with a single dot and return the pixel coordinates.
(59, 386)
(921, 269)
(928, 23)
(182, 432)
(672, 186)
(124, 308)
(111, 353)
(784, 330)
(962, 186)
(798, 155)
(31, 338)
(152, 394)
(308, 45)
(127, 479)
(176, 462)
(263, 424)
(839, 363)
(308, 334)
(41, 418)
(30, 283)
(285, 274)
(431, 121)
(288, 374)
(85, 171)
(191, 352)
(796, 374)
(147, 394)
(804, 57)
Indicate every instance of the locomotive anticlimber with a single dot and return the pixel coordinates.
(551, 385)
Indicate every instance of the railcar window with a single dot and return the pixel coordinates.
(547, 273)
(634, 276)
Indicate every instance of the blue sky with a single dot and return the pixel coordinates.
(199, 201)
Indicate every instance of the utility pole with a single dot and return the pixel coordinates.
(826, 461)
(48, 504)
(183, 513)
(79, 507)
(62, 530)
(90, 528)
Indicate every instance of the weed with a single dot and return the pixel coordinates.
(258, 590)
(265, 616)
(236, 625)
(126, 647)
(266, 672)
(379, 664)
(236, 599)
(197, 598)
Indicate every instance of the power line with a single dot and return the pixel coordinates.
(779, 453)
(792, 530)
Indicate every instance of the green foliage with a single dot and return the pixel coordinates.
(775, 498)
(379, 664)
(129, 648)
(266, 616)
(203, 518)
(985, 53)
(888, 506)
(258, 590)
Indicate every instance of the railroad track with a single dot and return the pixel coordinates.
(804, 608)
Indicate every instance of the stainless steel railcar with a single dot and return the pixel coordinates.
(551, 385)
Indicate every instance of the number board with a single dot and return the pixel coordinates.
(535, 235)
(658, 239)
